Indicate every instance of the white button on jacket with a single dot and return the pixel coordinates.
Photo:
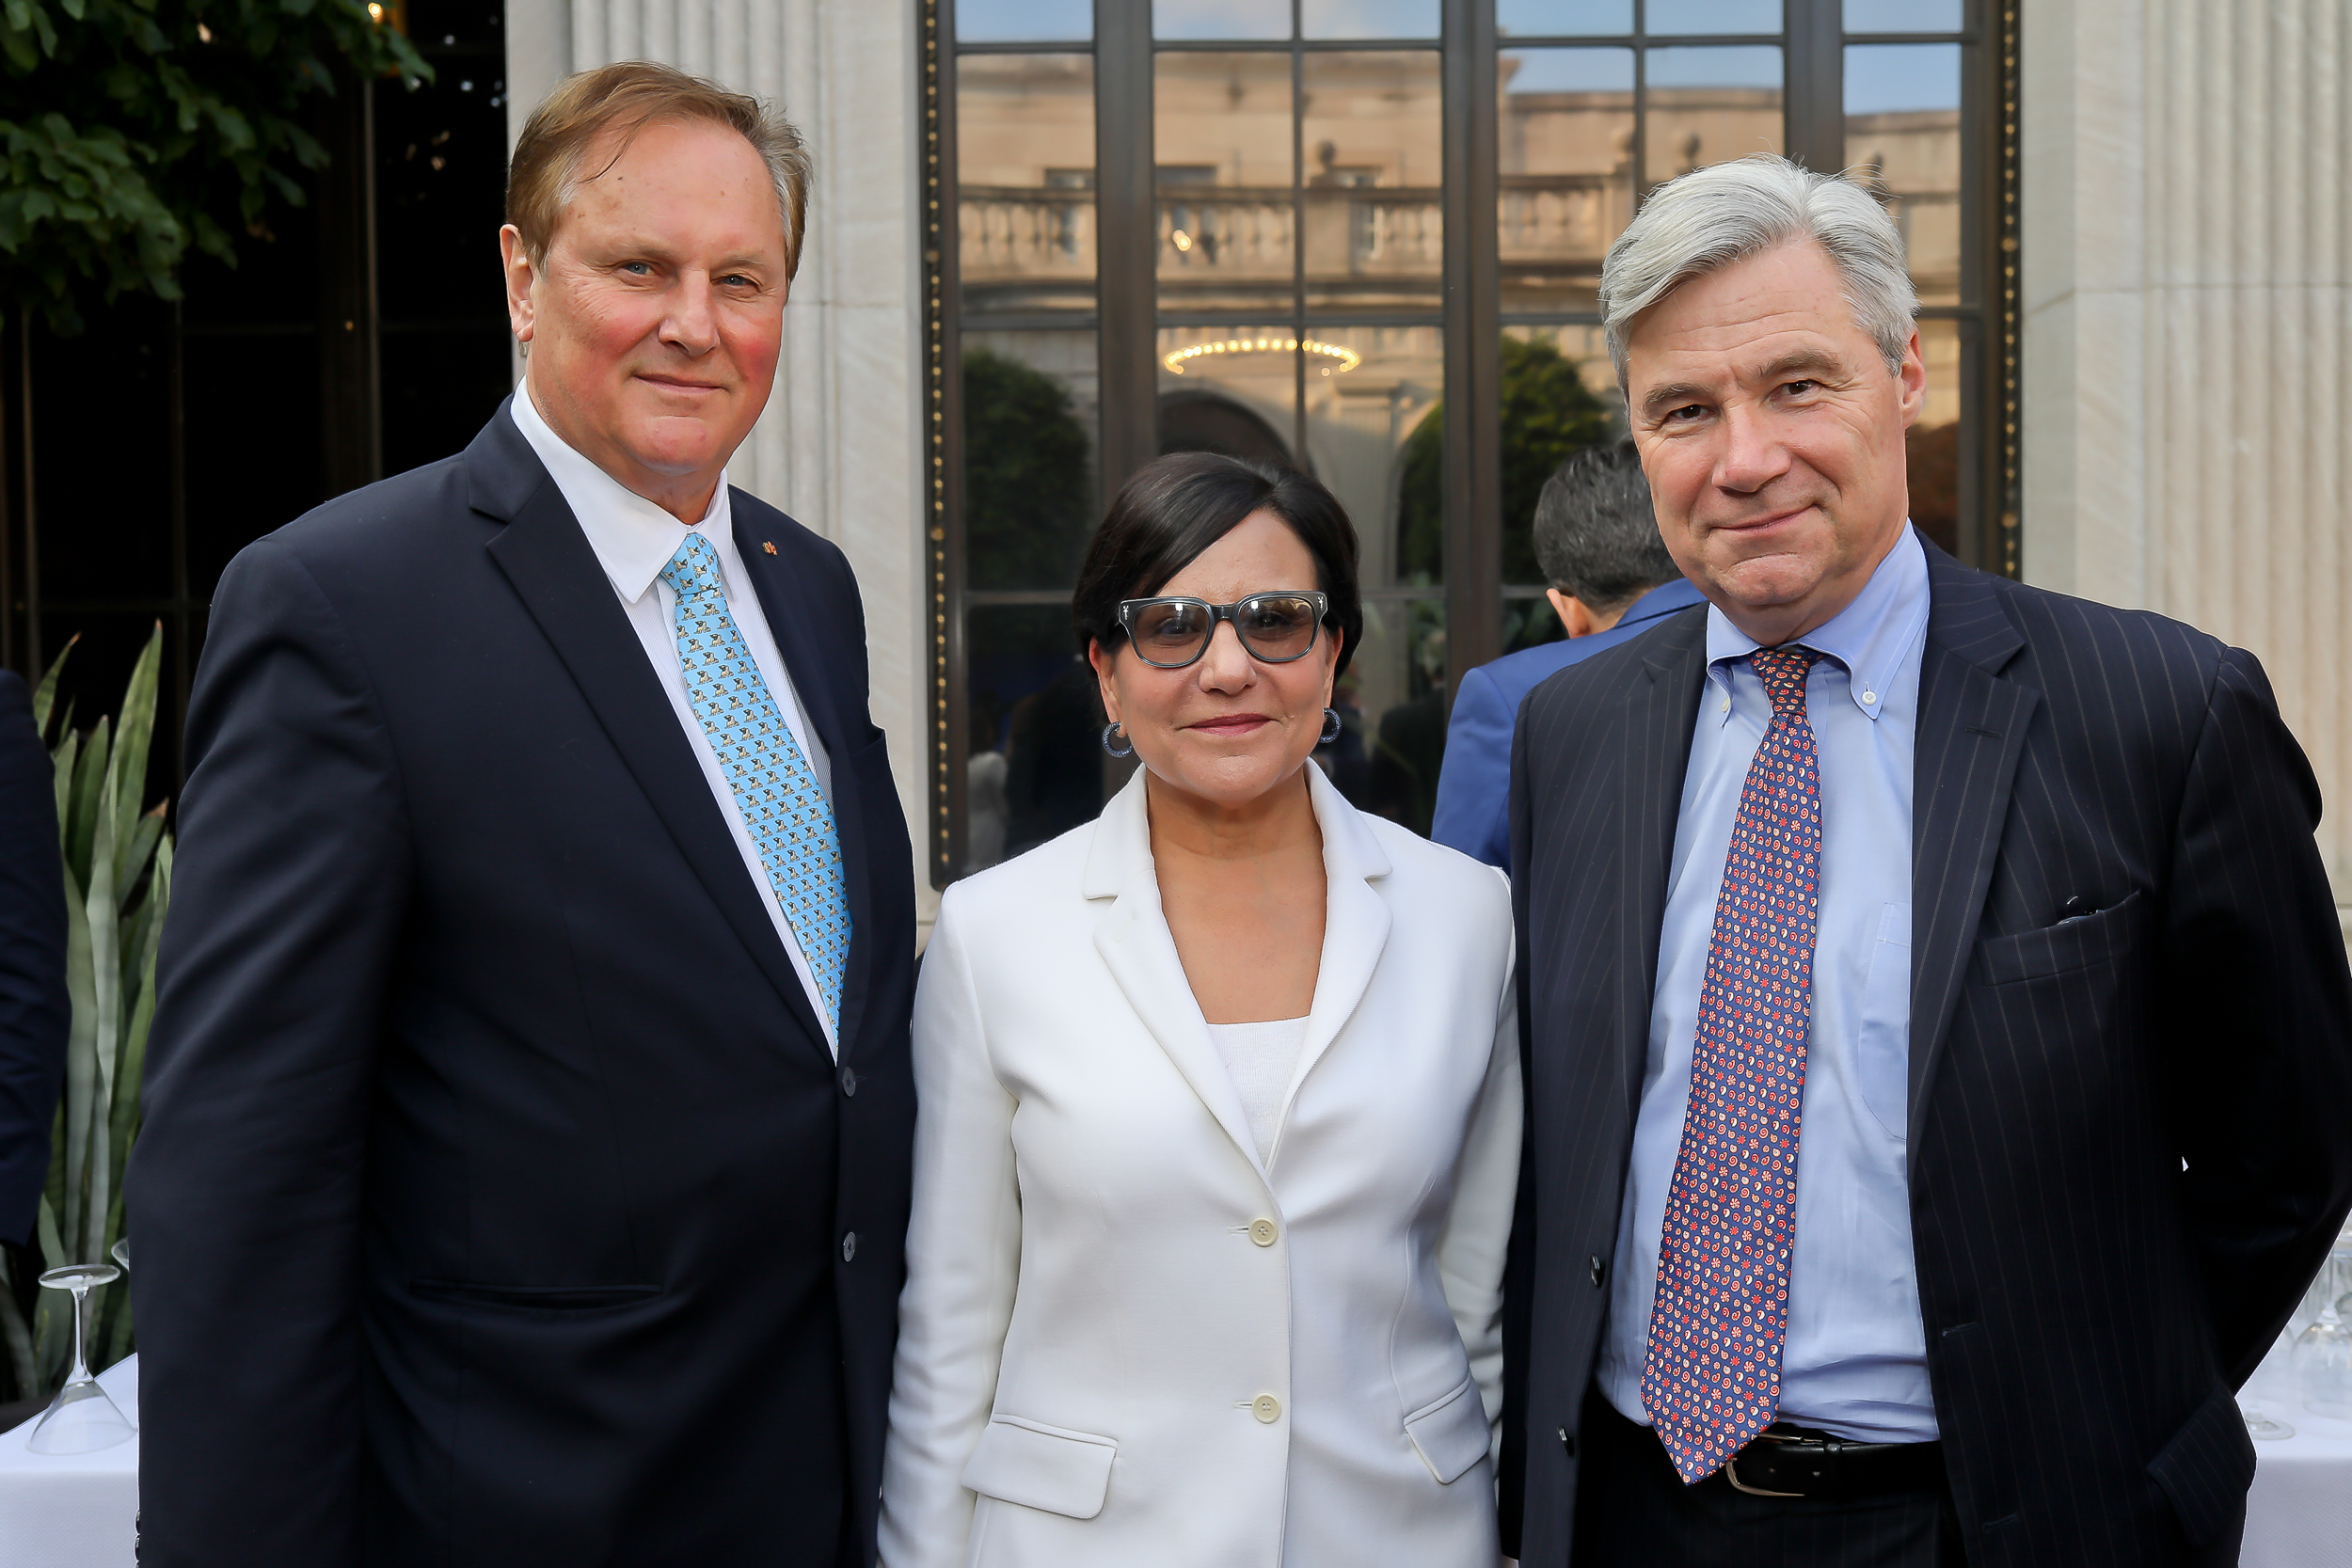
(1125, 1337)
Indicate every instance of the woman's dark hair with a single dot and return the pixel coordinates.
(1175, 508)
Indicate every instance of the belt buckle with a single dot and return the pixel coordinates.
(1731, 1474)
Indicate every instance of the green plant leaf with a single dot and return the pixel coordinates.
(45, 694)
(81, 1060)
(104, 912)
(89, 783)
(132, 734)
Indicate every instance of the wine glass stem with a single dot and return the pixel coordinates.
(81, 1326)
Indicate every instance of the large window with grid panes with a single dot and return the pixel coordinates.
(1361, 238)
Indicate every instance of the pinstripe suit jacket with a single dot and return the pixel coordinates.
(2130, 1136)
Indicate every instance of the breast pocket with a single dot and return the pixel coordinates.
(1882, 1044)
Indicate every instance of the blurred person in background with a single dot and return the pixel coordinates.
(528, 1107)
(1611, 581)
(1220, 1111)
(35, 1012)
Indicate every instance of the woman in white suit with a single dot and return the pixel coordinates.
(1220, 1113)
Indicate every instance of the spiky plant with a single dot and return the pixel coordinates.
(117, 882)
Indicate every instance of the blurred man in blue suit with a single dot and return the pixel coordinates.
(1611, 581)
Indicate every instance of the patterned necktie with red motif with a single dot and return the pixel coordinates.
(1711, 1378)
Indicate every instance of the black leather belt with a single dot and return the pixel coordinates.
(1791, 1462)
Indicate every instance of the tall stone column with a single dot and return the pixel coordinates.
(2186, 346)
(840, 447)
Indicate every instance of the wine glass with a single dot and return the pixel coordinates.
(2322, 1352)
(120, 1253)
(82, 1417)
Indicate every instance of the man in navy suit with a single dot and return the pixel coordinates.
(1611, 581)
(1936, 1022)
(529, 1114)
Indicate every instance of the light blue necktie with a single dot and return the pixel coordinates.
(787, 815)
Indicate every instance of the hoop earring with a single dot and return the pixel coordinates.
(1110, 732)
(1331, 726)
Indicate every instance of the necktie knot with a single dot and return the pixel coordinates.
(1783, 671)
(695, 569)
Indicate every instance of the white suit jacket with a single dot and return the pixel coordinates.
(1126, 1338)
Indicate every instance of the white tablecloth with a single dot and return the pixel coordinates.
(78, 1511)
(71, 1510)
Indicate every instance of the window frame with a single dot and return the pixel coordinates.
(1126, 318)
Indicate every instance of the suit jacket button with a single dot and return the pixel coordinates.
(1600, 1269)
(1263, 1231)
(848, 1246)
(1567, 1444)
(1266, 1408)
(849, 1082)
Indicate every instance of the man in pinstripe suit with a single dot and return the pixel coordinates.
(1938, 1032)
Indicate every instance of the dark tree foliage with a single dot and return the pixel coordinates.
(130, 130)
(1029, 485)
(1548, 413)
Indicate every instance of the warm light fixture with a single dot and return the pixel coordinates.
(1343, 357)
(375, 11)
(1181, 239)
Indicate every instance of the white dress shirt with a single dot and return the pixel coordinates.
(633, 540)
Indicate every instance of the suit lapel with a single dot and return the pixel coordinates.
(1134, 940)
(1971, 733)
(1355, 929)
(555, 573)
(782, 600)
(1660, 711)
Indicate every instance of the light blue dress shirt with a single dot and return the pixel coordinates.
(1854, 1362)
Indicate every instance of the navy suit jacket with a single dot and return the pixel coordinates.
(34, 1012)
(2126, 1146)
(1474, 783)
(499, 1200)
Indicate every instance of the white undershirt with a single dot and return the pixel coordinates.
(633, 540)
(1262, 1057)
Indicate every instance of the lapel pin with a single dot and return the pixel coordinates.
(767, 545)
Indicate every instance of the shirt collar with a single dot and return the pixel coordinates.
(1870, 638)
(632, 537)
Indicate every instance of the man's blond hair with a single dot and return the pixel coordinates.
(626, 98)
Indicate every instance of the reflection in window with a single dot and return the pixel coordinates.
(1282, 293)
(1205, 20)
(1903, 134)
(1932, 444)
(1709, 104)
(1536, 19)
(1028, 464)
(1024, 21)
(1565, 144)
(1374, 209)
(1368, 18)
(1902, 16)
(1687, 17)
(1025, 148)
(1221, 144)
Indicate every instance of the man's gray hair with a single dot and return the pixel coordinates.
(1596, 531)
(1714, 218)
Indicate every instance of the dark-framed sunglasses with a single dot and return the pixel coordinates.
(1274, 629)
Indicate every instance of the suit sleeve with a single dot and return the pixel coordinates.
(1518, 1271)
(1478, 1226)
(963, 1258)
(290, 893)
(2256, 1011)
(34, 1011)
(1473, 784)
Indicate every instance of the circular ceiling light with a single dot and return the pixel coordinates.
(1338, 359)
